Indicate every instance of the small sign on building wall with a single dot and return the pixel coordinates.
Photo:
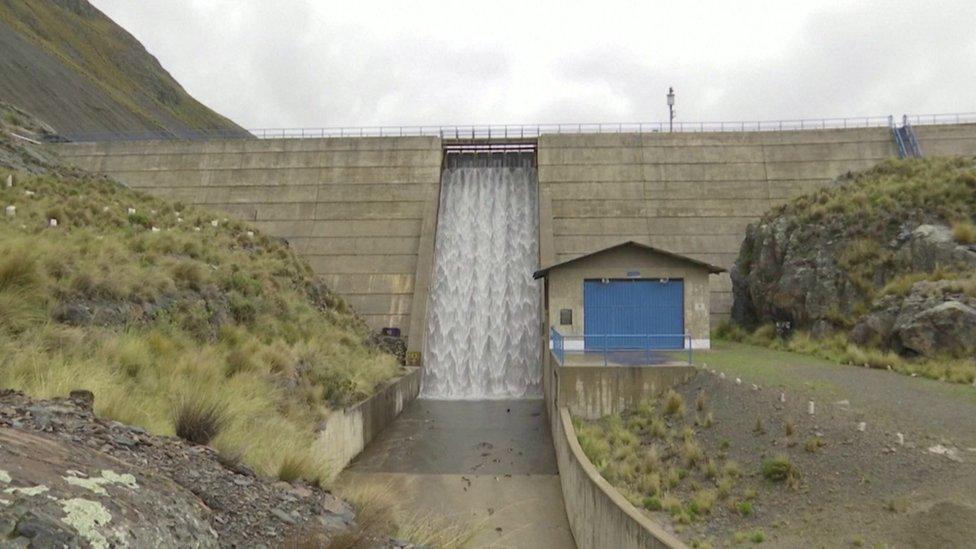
(633, 274)
(565, 317)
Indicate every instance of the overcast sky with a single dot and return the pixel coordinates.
(305, 63)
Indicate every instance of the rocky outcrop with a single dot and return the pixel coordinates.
(794, 274)
(56, 493)
(889, 271)
(68, 478)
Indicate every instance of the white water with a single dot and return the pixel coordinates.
(484, 311)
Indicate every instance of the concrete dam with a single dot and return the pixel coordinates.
(364, 210)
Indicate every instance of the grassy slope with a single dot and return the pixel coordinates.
(182, 316)
(808, 374)
(652, 456)
(86, 40)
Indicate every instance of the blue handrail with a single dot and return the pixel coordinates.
(558, 346)
(607, 344)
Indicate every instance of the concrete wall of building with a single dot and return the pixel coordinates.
(347, 432)
(565, 286)
(362, 211)
(694, 194)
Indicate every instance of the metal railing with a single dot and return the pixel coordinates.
(558, 345)
(522, 131)
(621, 349)
(932, 119)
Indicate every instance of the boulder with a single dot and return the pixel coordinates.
(931, 246)
(947, 328)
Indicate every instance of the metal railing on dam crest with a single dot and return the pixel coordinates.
(520, 131)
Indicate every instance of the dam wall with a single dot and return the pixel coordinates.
(364, 210)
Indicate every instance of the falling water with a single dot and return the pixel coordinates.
(484, 311)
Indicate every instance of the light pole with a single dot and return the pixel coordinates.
(670, 110)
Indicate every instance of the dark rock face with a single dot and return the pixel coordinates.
(118, 486)
(60, 494)
(779, 277)
(814, 277)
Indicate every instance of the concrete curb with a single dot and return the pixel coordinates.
(346, 432)
(599, 515)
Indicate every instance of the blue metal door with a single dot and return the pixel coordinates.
(620, 314)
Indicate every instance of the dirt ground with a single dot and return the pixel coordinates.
(862, 487)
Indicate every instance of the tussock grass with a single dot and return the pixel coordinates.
(674, 404)
(897, 504)
(779, 468)
(964, 232)
(660, 465)
(379, 516)
(198, 421)
(175, 316)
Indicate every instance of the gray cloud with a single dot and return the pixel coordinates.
(303, 63)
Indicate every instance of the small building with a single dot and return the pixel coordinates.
(629, 296)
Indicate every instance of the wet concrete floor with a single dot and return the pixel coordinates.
(489, 463)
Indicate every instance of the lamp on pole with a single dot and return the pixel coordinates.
(670, 110)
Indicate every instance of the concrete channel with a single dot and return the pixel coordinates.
(487, 463)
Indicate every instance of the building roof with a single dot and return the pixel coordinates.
(712, 269)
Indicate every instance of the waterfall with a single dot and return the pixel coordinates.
(483, 312)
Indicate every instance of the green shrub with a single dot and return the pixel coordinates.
(813, 444)
(139, 220)
(744, 508)
(652, 503)
(779, 469)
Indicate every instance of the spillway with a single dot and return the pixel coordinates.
(482, 339)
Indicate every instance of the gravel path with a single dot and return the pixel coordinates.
(863, 487)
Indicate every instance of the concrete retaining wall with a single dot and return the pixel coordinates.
(591, 392)
(599, 515)
(348, 431)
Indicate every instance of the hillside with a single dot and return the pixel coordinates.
(886, 258)
(68, 64)
(178, 320)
